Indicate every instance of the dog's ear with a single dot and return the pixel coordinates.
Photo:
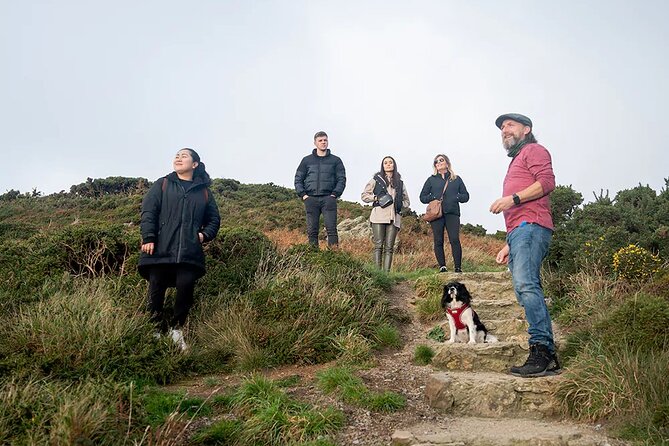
(445, 297)
(464, 291)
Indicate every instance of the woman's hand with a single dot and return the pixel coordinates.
(148, 248)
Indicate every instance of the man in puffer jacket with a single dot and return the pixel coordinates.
(320, 179)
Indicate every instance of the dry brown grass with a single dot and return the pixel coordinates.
(414, 250)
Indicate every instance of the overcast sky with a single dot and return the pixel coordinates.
(97, 89)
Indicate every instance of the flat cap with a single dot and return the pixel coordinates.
(514, 117)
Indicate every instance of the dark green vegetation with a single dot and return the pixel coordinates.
(79, 364)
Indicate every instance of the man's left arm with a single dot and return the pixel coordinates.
(540, 166)
(340, 173)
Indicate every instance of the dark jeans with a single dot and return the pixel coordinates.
(451, 223)
(314, 207)
(162, 277)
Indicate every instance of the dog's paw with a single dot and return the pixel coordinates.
(451, 341)
(472, 341)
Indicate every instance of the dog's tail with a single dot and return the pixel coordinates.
(490, 339)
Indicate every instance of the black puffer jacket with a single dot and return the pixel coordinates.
(456, 193)
(320, 175)
(172, 218)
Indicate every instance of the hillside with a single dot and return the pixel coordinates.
(296, 346)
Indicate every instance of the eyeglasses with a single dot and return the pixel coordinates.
(439, 160)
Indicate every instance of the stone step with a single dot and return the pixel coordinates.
(481, 286)
(491, 309)
(492, 395)
(499, 432)
(509, 330)
(495, 357)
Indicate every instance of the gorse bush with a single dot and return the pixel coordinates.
(635, 263)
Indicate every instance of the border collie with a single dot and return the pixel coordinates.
(462, 319)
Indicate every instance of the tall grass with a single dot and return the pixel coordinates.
(86, 332)
(299, 310)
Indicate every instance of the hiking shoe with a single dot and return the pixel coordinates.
(540, 362)
(458, 270)
(178, 339)
(443, 269)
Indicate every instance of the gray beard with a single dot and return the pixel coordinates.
(508, 143)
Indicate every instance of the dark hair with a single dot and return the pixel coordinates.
(396, 175)
(319, 134)
(530, 138)
(200, 169)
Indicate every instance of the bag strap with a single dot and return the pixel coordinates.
(383, 183)
(444, 191)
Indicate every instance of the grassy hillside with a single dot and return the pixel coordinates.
(79, 364)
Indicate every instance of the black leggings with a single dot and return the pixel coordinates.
(452, 224)
(162, 277)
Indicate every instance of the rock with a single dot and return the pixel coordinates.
(401, 438)
(497, 357)
(358, 227)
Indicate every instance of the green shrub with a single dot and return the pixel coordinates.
(233, 258)
(641, 323)
(386, 335)
(85, 333)
(437, 334)
(158, 404)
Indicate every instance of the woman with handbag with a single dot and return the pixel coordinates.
(449, 189)
(388, 196)
(179, 214)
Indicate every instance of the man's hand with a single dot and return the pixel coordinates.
(503, 255)
(305, 197)
(501, 204)
(148, 248)
(201, 237)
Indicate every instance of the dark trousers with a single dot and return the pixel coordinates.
(383, 239)
(314, 207)
(451, 223)
(162, 277)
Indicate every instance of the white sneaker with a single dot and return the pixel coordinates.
(178, 338)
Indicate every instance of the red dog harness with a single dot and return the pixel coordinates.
(456, 313)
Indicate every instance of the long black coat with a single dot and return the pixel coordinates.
(172, 218)
(456, 193)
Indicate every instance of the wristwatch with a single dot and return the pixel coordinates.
(516, 199)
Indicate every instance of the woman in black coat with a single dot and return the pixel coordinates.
(179, 214)
(455, 193)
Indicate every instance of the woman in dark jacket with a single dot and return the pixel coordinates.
(179, 214)
(455, 193)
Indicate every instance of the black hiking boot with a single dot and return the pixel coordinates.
(540, 362)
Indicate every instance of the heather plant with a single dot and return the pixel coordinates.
(634, 263)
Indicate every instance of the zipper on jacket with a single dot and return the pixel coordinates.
(181, 225)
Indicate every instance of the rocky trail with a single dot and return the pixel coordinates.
(465, 397)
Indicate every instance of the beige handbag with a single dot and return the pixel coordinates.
(433, 211)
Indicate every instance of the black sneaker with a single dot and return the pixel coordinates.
(458, 270)
(540, 362)
(443, 269)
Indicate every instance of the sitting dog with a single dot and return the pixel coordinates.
(456, 301)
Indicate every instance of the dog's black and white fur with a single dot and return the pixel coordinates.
(463, 321)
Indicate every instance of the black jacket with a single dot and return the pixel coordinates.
(172, 218)
(320, 175)
(456, 193)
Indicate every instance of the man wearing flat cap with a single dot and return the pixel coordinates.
(526, 206)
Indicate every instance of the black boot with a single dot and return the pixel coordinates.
(540, 362)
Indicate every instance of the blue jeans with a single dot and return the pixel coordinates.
(314, 207)
(528, 245)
